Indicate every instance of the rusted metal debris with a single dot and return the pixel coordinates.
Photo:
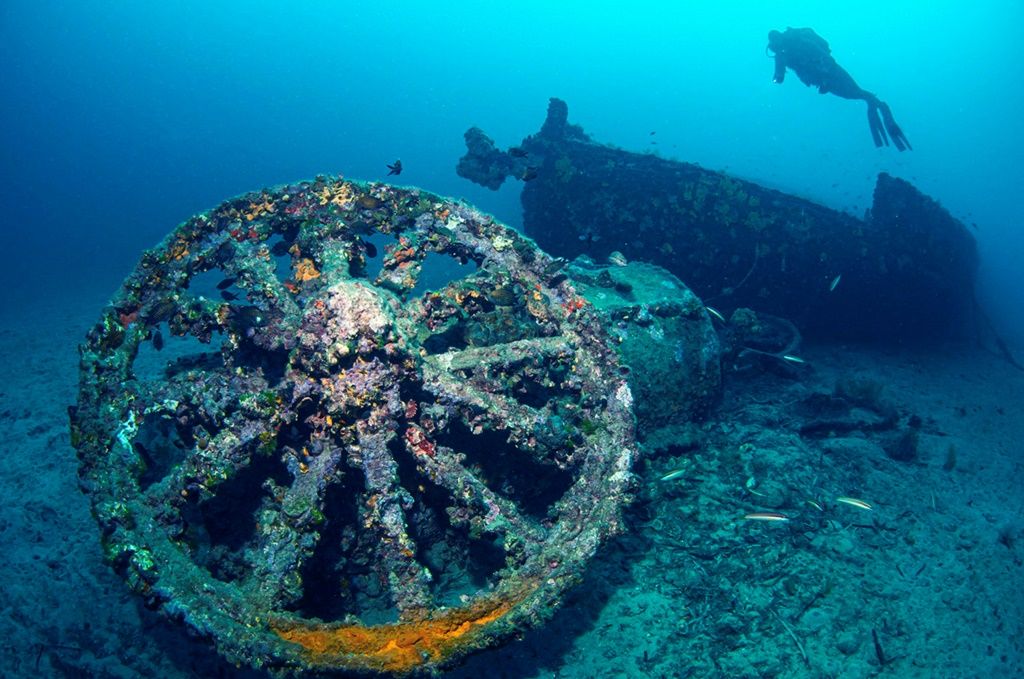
(332, 464)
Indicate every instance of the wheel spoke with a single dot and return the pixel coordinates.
(471, 376)
(270, 289)
(381, 512)
(288, 530)
(203, 469)
(503, 355)
(464, 380)
(264, 289)
(497, 514)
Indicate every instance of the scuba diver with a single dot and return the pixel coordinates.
(807, 53)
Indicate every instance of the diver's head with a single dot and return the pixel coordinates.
(774, 41)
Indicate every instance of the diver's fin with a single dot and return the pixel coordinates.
(899, 139)
(875, 125)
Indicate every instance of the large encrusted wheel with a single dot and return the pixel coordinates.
(389, 461)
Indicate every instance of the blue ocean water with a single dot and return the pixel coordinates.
(122, 119)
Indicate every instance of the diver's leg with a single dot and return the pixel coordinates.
(840, 83)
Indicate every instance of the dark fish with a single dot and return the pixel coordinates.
(226, 283)
(162, 311)
(369, 248)
(555, 266)
(228, 296)
(504, 295)
(517, 152)
(368, 202)
(246, 318)
(654, 132)
(529, 173)
(158, 340)
(395, 169)
(557, 279)
(280, 248)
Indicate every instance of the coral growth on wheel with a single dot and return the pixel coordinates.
(336, 425)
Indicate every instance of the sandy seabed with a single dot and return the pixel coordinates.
(934, 571)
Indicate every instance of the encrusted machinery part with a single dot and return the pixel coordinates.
(665, 338)
(383, 430)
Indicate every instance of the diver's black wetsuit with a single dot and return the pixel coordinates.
(807, 53)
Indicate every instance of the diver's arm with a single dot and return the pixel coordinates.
(780, 69)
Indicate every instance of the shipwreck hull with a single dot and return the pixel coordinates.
(906, 271)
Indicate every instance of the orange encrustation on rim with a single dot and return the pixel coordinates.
(396, 648)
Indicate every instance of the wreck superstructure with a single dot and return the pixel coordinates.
(907, 270)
